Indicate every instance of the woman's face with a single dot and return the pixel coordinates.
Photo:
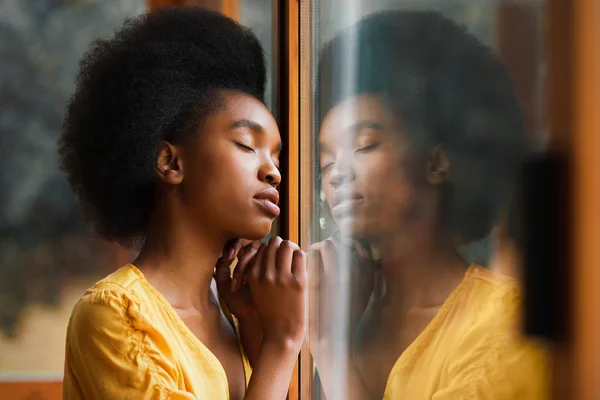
(231, 169)
(367, 169)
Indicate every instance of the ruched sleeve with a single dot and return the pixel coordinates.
(112, 351)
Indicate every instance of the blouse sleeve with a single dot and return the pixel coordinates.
(498, 368)
(111, 355)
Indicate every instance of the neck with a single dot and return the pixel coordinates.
(420, 269)
(178, 259)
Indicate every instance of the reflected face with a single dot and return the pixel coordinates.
(367, 169)
(232, 169)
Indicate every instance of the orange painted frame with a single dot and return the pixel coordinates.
(585, 145)
(573, 96)
(288, 77)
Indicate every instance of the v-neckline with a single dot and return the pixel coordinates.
(177, 321)
(412, 350)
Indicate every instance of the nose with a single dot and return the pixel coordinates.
(341, 172)
(269, 173)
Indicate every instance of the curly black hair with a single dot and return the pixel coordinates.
(156, 79)
(447, 88)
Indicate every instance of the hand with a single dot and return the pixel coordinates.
(231, 288)
(329, 276)
(277, 277)
(236, 293)
(340, 264)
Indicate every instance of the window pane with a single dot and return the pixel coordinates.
(424, 112)
(258, 16)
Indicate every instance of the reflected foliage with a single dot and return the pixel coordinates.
(43, 238)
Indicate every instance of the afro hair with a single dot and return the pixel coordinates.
(155, 80)
(448, 89)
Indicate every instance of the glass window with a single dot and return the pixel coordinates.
(258, 15)
(48, 257)
(423, 113)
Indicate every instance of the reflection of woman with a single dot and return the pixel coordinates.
(419, 144)
(168, 145)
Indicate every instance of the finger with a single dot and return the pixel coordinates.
(231, 249)
(238, 270)
(269, 267)
(247, 242)
(341, 240)
(329, 258)
(300, 273)
(318, 292)
(284, 258)
(255, 265)
(314, 299)
(363, 251)
(315, 266)
(244, 257)
(316, 247)
(299, 267)
(223, 275)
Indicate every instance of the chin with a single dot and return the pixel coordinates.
(356, 227)
(255, 230)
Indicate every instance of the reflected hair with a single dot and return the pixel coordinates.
(448, 89)
(156, 79)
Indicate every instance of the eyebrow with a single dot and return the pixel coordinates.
(355, 129)
(246, 123)
(253, 126)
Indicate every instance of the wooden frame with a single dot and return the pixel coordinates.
(289, 122)
(560, 119)
(573, 96)
(586, 197)
(231, 8)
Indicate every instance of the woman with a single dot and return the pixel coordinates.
(419, 149)
(171, 150)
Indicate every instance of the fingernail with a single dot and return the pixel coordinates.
(234, 284)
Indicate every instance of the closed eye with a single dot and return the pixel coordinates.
(325, 167)
(243, 146)
(367, 148)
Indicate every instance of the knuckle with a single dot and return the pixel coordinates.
(300, 284)
(275, 240)
(252, 277)
(281, 280)
(269, 278)
(316, 247)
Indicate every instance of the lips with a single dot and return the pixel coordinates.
(344, 202)
(267, 200)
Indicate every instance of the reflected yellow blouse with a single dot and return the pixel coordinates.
(125, 341)
(472, 349)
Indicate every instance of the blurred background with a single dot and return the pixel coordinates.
(48, 257)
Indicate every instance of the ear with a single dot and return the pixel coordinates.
(438, 166)
(169, 164)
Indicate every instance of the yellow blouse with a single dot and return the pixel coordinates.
(472, 349)
(125, 341)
